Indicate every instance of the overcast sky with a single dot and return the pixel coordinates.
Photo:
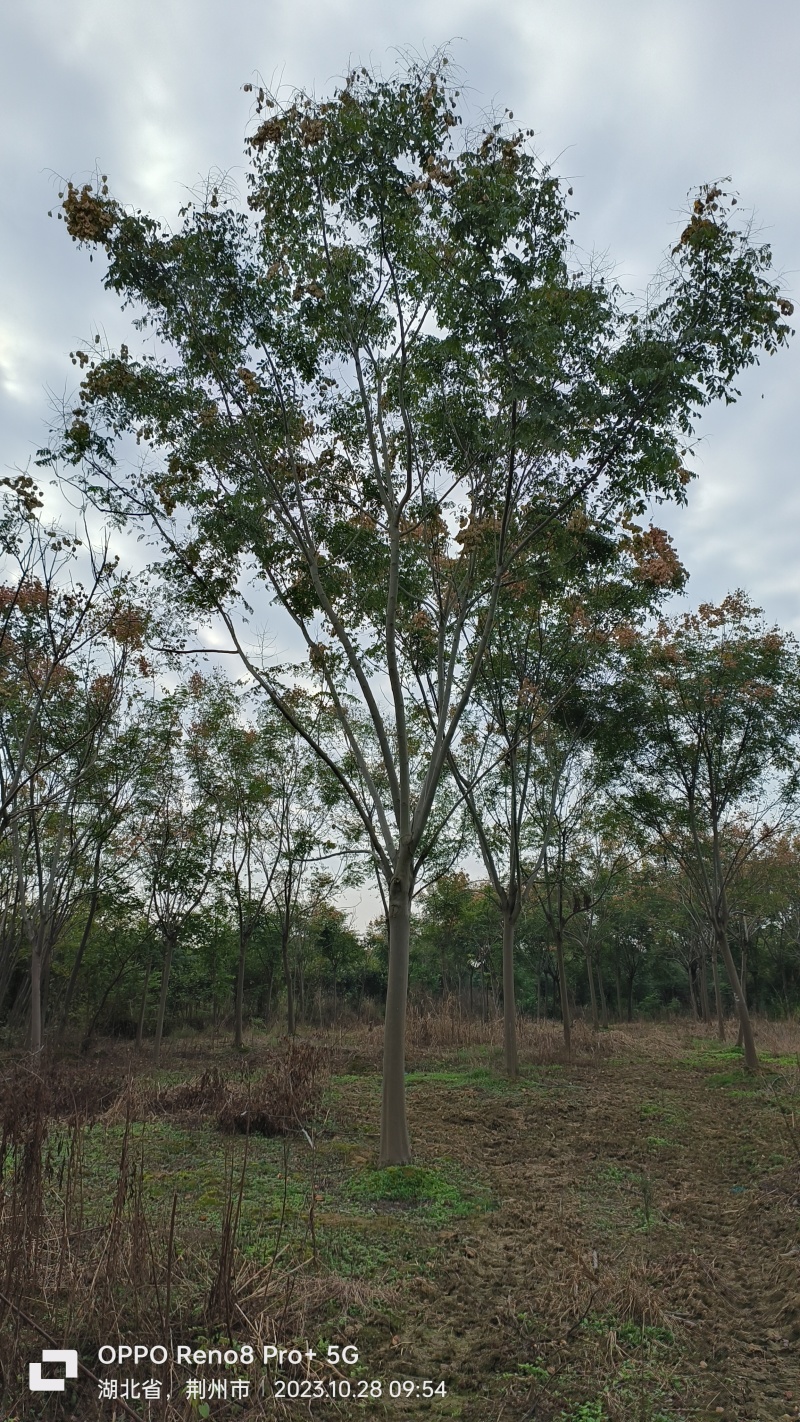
(635, 100)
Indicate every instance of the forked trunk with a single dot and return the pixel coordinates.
(162, 1000)
(743, 981)
(564, 993)
(510, 1057)
(748, 1040)
(395, 1144)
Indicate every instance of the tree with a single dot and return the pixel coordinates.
(299, 840)
(712, 762)
(376, 389)
(66, 644)
(555, 635)
(178, 832)
(237, 773)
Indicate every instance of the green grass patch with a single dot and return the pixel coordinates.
(436, 1197)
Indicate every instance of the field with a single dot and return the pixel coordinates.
(612, 1237)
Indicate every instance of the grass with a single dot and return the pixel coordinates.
(571, 1246)
(432, 1193)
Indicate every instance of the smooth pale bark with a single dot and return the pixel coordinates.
(395, 1144)
(169, 947)
(510, 1055)
(564, 993)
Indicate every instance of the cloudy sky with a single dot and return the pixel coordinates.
(635, 100)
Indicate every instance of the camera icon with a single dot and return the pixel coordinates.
(67, 1356)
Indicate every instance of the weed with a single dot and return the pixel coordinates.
(533, 1370)
(285, 1098)
(646, 1190)
(587, 1412)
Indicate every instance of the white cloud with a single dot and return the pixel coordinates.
(637, 101)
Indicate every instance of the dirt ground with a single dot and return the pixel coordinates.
(611, 1237)
(644, 1251)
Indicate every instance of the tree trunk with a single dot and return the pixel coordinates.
(564, 993)
(601, 987)
(692, 999)
(743, 981)
(36, 1000)
(395, 1145)
(590, 977)
(238, 1043)
(162, 1000)
(717, 994)
(750, 1053)
(143, 1008)
(290, 1022)
(510, 1056)
(618, 980)
(539, 993)
(705, 1005)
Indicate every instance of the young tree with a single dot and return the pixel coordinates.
(713, 758)
(376, 389)
(178, 831)
(556, 632)
(236, 772)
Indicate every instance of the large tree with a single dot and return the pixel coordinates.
(369, 393)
